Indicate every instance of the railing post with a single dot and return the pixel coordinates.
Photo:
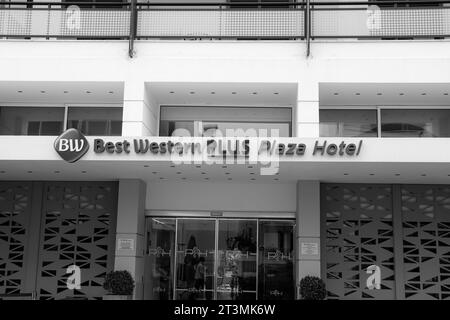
(308, 27)
(133, 27)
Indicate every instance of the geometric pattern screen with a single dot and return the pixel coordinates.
(357, 224)
(426, 241)
(78, 220)
(15, 211)
(357, 233)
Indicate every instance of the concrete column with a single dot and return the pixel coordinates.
(308, 110)
(308, 229)
(140, 111)
(130, 231)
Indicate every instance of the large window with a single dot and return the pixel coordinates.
(348, 123)
(49, 121)
(392, 122)
(225, 121)
(415, 123)
(32, 121)
(96, 121)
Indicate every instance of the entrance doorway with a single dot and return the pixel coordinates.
(219, 258)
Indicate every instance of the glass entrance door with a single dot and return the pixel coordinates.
(219, 258)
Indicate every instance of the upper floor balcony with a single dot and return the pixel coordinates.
(227, 19)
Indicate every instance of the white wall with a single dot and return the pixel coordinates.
(232, 196)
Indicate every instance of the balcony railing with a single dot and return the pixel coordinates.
(274, 20)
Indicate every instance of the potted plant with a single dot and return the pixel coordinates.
(119, 284)
(312, 288)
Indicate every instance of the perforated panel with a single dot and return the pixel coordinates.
(426, 241)
(15, 211)
(357, 233)
(89, 23)
(77, 228)
(233, 23)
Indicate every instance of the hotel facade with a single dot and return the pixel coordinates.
(267, 141)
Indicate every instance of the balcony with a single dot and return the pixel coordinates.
(237, 20)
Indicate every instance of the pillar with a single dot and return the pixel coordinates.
(130, 231)
(140, 110)
(308, 229)
(307, 112)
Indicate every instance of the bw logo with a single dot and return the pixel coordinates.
(71, 145)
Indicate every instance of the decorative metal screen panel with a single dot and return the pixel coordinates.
(217, 23)
(385, 22)
(77, 228)
(426, 241)
(15, 211)
(88, 23)
(357, 233)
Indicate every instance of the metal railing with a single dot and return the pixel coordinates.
(250, 20)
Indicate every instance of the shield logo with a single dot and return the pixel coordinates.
(71, 145)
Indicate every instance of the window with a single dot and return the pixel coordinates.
(415, 123)
(96, 121)
(348, 123)
(225, 121)
(32, 121)
(49, 121)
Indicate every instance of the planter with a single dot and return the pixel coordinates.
(117, 297)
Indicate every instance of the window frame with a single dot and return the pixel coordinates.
(379, 108)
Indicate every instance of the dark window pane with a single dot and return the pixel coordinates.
(415, 123)
(348, 123)
(31, 120)
(96, 120)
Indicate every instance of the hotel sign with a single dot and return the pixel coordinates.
(72, 145)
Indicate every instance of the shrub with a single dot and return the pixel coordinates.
(312, 288)
(119, 283)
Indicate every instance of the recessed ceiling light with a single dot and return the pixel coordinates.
(401, 94)
(275, 93)
(254, 93)
(84, 171)
(252, 173)
(146, 165)
(227, 173)
(345, 174)
(154, 172)
(110, 92)
(192, 92)
(88, 92)
(66, 91)
(42, 91)
(203, 172)
(252, 179)
(357, 94)
(336, 94)
(20, 91)
(213, 92)
(233, 93)
(161, 178)
(423, 94)
(423, 175)
(446, 94)
(371, 174)
(172, 92)
(379, 94)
